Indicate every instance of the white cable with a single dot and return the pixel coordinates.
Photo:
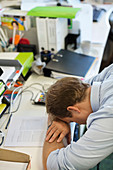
(11, 102)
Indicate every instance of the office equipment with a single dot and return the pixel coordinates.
(25, 59)
(57, 31)
(72, 41)
(27, 48)
(40, 99)
(70, 63)
(51, 33)
(10, 159)
(45, 56)
(41, 24)
(12, 70)
(97, 14)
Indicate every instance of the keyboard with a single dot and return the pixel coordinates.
(97, 14)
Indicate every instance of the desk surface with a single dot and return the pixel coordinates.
(26, 108)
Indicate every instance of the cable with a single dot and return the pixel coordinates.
(24, 90)
(35, 84)
(30, 92)
(10, 108)
(18, 103)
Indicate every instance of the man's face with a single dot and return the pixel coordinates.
(80, 119)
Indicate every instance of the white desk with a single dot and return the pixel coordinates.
(26, 108)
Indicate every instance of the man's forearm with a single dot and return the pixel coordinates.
(48, 148)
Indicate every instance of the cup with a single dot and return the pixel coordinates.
(85, 47)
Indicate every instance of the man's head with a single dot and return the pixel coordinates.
(63, 94)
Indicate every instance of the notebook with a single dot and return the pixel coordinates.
(71, 63)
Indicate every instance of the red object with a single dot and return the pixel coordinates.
(17, 71)
(22, 41)
(8, 84)
(17, 84)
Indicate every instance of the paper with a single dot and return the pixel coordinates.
(5, 165)
(26, 131)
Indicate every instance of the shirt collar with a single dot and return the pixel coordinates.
(95, 96)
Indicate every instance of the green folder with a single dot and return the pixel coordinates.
(54, 12)
(26, 59)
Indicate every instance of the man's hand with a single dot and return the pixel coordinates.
(58, 129)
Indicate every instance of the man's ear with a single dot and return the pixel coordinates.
(73, 108)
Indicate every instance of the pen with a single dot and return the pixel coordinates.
(2, 136)
(8, 121)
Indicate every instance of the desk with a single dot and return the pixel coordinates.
(26, 108)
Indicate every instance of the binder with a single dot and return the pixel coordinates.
(57, 31)
(70, 63)
(41, 25)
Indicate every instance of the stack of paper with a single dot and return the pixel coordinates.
(26, 131)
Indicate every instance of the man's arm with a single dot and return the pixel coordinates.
(102, 75)
(59, 130)
(48, 148)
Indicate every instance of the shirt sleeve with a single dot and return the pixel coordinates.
(101, 76)
(88, 151)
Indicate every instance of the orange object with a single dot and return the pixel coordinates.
(17, 71)
(8, 84)
(10, 92)
(17, 39)
(17, 84)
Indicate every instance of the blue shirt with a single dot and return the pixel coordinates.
(97, 142)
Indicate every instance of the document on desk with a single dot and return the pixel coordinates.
(26, 131)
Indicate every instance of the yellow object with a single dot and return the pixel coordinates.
(2, 107)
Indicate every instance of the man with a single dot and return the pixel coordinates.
(89, 102)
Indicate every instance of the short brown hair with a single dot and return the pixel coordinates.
(65, 92)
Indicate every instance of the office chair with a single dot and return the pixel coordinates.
(108, 49)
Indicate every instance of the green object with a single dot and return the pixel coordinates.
(1, 84)
(26, 59)
(54, 12)
(70, 24)
(7, 19)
